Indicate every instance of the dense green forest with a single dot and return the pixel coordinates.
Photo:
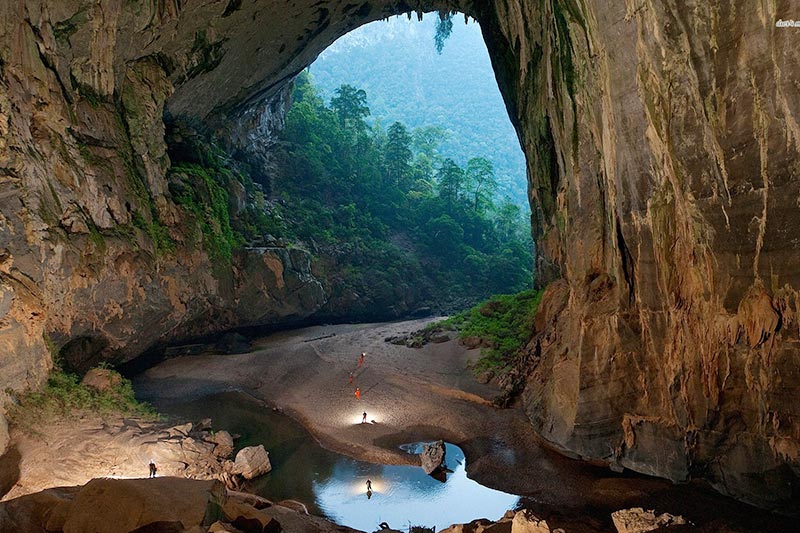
(399, 224)
(396, 63)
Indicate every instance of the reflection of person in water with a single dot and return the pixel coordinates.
(369, 494)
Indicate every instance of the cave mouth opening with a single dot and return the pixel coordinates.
(397, 167)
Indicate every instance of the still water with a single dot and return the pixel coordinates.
(334, 486)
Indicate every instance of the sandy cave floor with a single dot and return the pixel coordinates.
(409, 395)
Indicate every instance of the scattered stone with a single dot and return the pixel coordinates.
(512, 522)
(637, 520)
(252, 462)
(181, 430)
(101, 379)
(222, 527)
(526, 522)
(432, 456)
(248, 519)
(203, 425)
(223, 442)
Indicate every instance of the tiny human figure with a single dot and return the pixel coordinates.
(153, 468)
(369, 494)
(351, 378)
(358, 393)
(364, 421)
(369, 485)
(361, 360)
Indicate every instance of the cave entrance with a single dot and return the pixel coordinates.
(400, 167)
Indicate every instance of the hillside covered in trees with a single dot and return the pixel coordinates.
(395, 225)
(406, 80)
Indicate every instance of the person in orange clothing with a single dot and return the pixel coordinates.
(358, 393)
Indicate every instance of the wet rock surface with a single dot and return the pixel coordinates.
(432, 456)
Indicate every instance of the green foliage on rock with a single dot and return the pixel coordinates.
(63, 396)
(203, 195)
(205, 181)
(503, 324)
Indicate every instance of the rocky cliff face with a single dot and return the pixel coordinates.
(662, 142)
(663, 146)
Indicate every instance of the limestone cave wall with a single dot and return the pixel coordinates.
(662, 143)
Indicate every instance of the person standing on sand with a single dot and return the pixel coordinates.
(153, 468)
(358, 393)
(364, 420)
(361, 360)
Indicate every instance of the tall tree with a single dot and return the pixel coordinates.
(481, 182)
(450, 178)
(351, 107)
(397, 155)
(427, 140)
(508, 220)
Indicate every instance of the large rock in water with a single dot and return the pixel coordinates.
(252, 462)
(662, 146)
(432, 456)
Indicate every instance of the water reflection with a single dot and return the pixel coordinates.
(403, 495)
(336, 486)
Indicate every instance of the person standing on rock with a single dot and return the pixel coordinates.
(358, 393)
(364, 421)
(153, 468)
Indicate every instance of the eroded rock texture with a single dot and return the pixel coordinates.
(662, 141)
(663, 147)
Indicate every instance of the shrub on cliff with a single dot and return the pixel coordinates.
(64, 396)
(501, 325)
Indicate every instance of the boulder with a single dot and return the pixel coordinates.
(251, 462)
(181, 430)
(101, 379)
(637, 520)
(432, 456)
(223, 441)
(222, 527)
(526, 522)
(248, 519)
(113, 505)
